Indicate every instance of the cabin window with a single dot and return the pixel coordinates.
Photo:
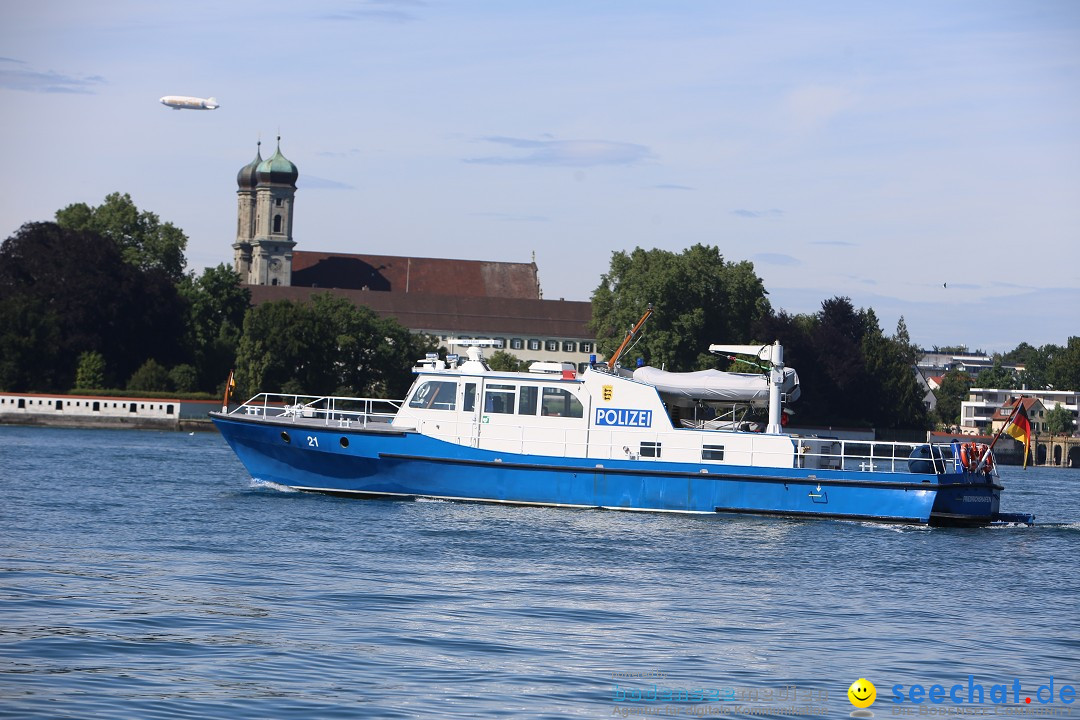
(650, 449)
(499, 399)
(558, 402)
(527, 395)
(516, 343)
(552, 345)
(585, 347)
(468, 403)
(534, 344)
(435, 395)
(569, 346)
(712, 452)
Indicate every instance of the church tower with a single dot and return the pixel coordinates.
(263, 248)
(245, 215)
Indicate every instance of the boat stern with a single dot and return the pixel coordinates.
(965, 500)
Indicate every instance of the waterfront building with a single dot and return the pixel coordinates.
(105, 411)
(978, 411)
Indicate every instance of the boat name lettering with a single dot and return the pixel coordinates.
(976, 498)
(623, 417)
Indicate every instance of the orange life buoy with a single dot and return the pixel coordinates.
(970, 455)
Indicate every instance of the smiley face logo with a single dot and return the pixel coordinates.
(862, 693)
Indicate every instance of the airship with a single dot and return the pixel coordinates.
(182, 102)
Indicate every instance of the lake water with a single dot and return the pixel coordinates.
(145, 575)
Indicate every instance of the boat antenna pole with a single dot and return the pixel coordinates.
(986, 455)
(614, 361)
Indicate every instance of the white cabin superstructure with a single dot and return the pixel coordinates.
(594, 415)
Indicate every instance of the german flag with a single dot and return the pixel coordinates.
(230, 385)
(1020, 429)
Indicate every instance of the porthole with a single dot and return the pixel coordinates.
(285, 436)
(344, 442)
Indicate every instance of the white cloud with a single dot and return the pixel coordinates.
(17, 75)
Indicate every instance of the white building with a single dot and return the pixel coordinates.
(977, 411)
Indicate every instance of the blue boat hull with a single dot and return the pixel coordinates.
(405, 464)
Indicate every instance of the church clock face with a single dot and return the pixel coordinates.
(275, 264)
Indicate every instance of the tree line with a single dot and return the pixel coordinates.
(98, 300)
(852, 373)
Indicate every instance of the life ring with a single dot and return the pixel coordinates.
(969, 456)
(971, 453)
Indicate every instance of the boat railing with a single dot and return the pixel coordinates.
(744, 448)
(874, 455)
(343, 412)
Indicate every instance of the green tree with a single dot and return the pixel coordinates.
(953, 391)
(371, 355)
(65, 292)
(1063, 371)
(143, 239)
(31, 337)
(1060, 421)
(851, 373)
(90, 374)
(997, 376)
(897, 396)
(326, 346)
(184, 378)
(1020, 355)
(217, 303)
(505, 362)
(150, 377)
(697, 298)
(1036, 362)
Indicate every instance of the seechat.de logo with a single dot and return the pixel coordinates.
(862, 695)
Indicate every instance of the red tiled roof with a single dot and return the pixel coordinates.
(433, 276)
(1003, 412)
(517, 317)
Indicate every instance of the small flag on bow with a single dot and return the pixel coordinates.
(1020, 429)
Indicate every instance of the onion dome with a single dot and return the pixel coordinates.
(277, 169)
(246, 178)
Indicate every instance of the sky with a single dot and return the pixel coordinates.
(921, 158)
